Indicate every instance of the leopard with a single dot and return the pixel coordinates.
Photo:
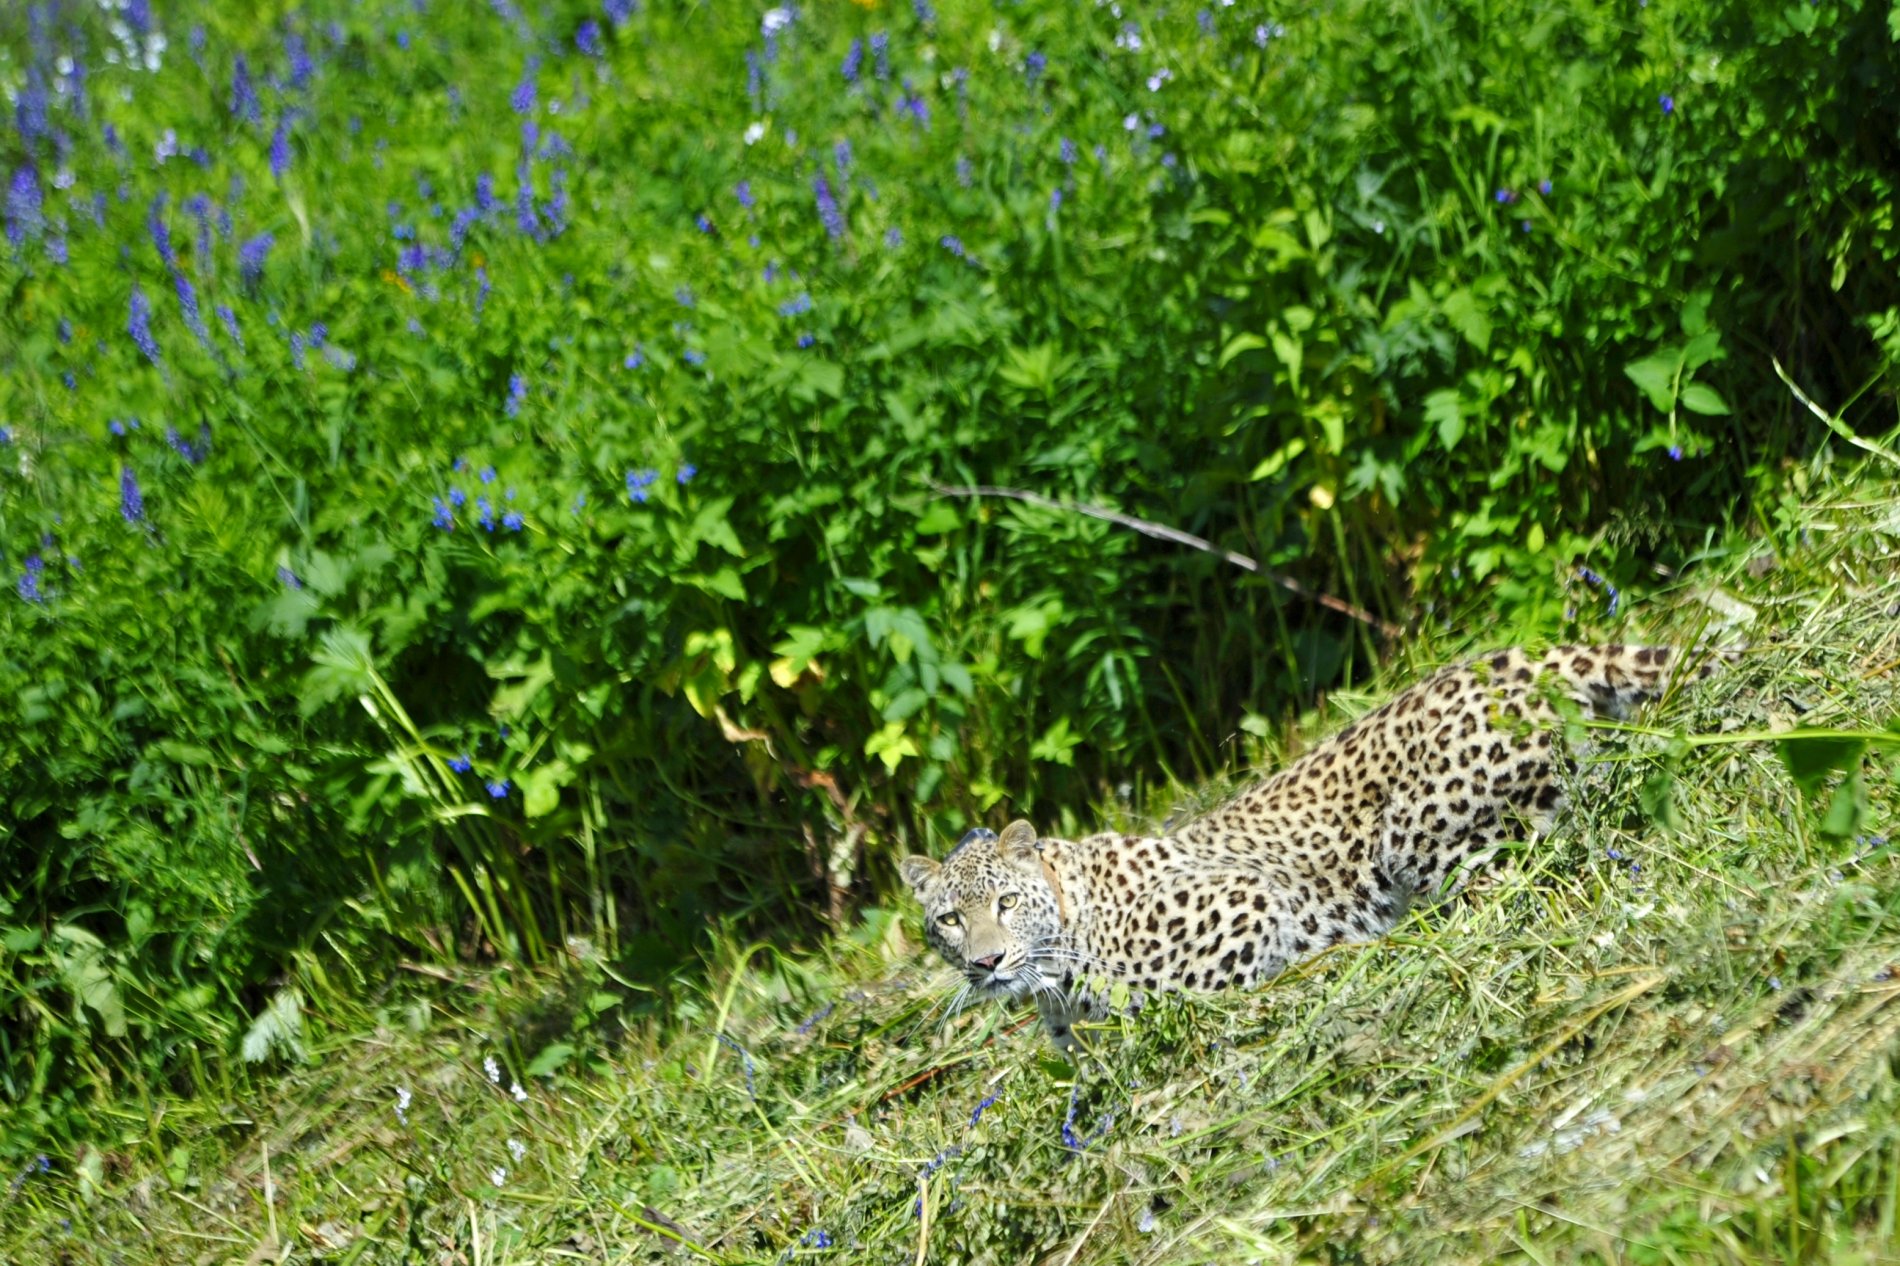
(1398, 809)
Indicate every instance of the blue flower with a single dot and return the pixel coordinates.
(684, 297)
(512, 520)
(444, 518)
(881, 51)
(1675, 452)
(638, 484)
(457, 497)
(1667, 102)
(841, 158)
(131, 500)
(853, 61)
(797, 305)
(694, 356)
(1543, 186)
(1505, 197)
(461, 764)
(893, 237)
(251, 256)
(24, 216)
(703, 224)
(498, 790)
(243, 95)
(686, 472)
(1066, 150)
(965, 171)
(953, 244)
(587, 38)
(987, 1101)
(280, 149)
(188, 300)
(29, 583)
(806, 340)
(517, 395)
(816, 1238)
(828, 212)
(522, 99)
(485, 512)
(618, 11)
(915, 106)
(1033, 66)
(743, 192)
(1055, 200)
(288, 578)
(139, 324)
(635, 358)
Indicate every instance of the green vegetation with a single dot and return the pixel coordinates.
(466, 502)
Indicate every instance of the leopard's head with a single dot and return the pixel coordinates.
(989, 910)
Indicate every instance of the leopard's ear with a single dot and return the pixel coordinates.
(1018, 842)
(917, 871)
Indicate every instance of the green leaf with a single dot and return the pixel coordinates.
(552, 1058)
(1847, 811)
(1238, 344)
(1656, 375)
(1287, 349)
(1811, 759)
(1658, 798)
(1276, 461)
(1443, 410)
(1701, 398)
(1465, 316)
(939, 516)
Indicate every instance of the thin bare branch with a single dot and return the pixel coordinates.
(1162, 532)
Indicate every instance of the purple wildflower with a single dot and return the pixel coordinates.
(806, 340)
(853, 61)
(881, 52)
(251, 256)
(893, 237)
(444, 517)
(188, 300)
(299, 57)
(522, 99)
(243, 96)
(619, 11)
(485, 512)
(24, 216)
(694, 357)
(841, 158)
(1675, 452)
(1034, 65)
(988, 1099)
(965, 171)
(953, 244)
(685, 473)
(797, 305)
(296, 348)
(498, 790)
(288, 578)
(828, 211)
(512, 520)
(743, 192)
(635, 358)
(1055, 200)
(703, 223)
(1543, 186)
(161, 232)
(461, 764)
(638, 482)
(913, 104)
(1505, 197)
(457, 497)
(139, 324)
(230, 324)
(29, 584)
(1066, 151)
(131, 500)
(1667, 102)
(925, 13)
(481, 293)
(684, 297)
(587, 38)
(487, 473)
(280, 149)
(755, 79)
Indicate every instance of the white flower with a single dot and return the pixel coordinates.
(996, 39)
(498, 1176)
(1132, 122)
(517, 1149)
(1147, 1221)
(754, 133)
(493, 1069)
(1158, 78)
(403, 1100)
(774, 21)
(514, 1088)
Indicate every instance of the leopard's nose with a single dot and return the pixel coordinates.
(989, 963)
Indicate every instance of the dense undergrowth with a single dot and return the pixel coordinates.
(1636, 1045)
(467, 482)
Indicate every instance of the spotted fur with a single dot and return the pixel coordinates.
(1398, 807)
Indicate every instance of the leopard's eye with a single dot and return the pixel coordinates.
(1007, 901)
(950, 919)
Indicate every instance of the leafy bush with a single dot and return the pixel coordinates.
(469, 474)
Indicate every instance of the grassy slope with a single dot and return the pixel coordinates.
(1635, 1046)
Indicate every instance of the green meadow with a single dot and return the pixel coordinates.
(514, 517)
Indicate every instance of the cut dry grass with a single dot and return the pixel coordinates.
(1635, 1045)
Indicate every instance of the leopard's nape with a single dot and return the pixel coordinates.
(1399, 806)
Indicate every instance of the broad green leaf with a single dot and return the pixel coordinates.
(1461, 309)
(1239, 343)
(1656, 375)
(1701, 398)
(1811, 760)
(1443, 410)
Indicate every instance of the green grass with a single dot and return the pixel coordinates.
(1632, 1046)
